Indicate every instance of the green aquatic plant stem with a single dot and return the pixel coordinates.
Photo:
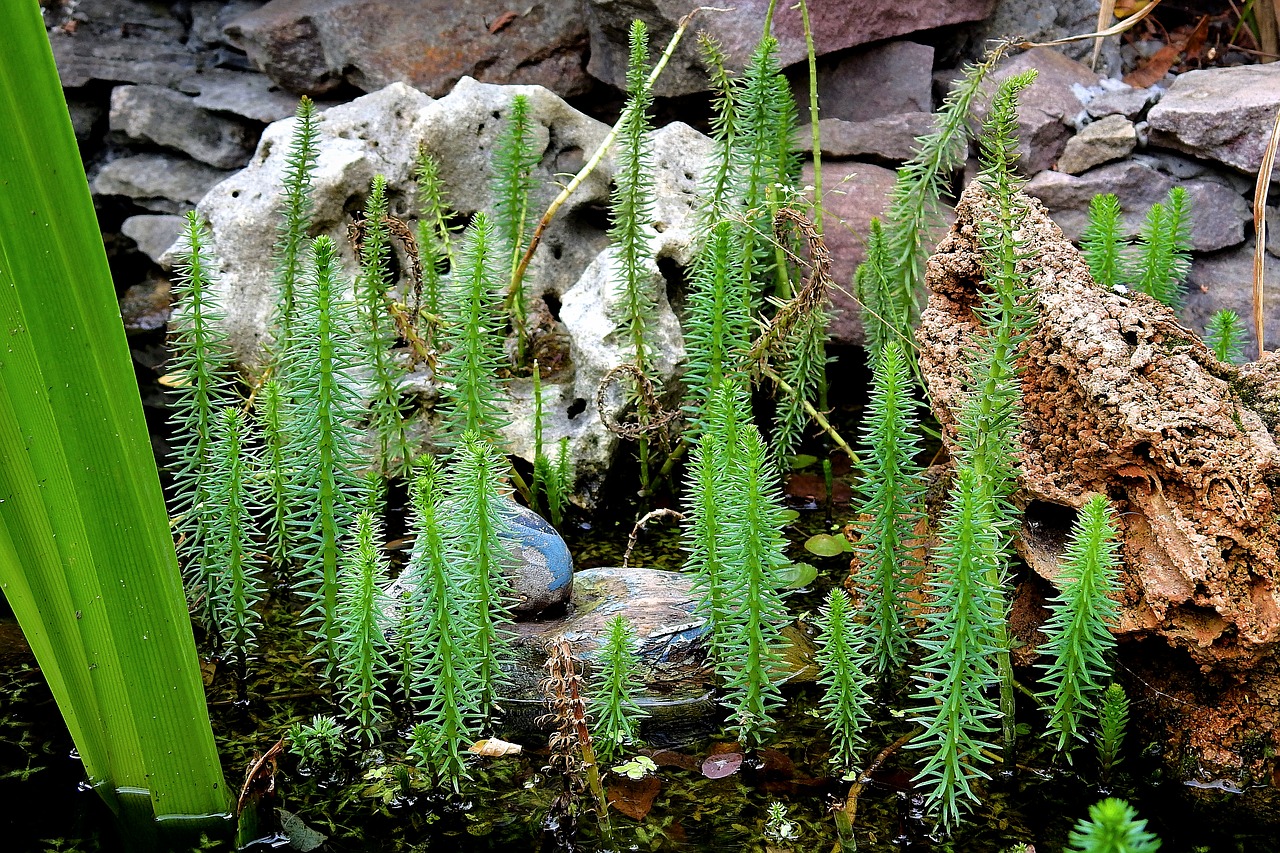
(1112, 827)
(1102, 241)
(1079, 641)
(324, 495)
(884, 317)
(613, 707)
(845, 674)
(717, 330)
(361, 646)
(514, 162)
(444, 678)
(472, 357)
(890, 494)
(1113, 719)
(631, 215)
(201, 373)
(477, 522)
(1161, 260)
(238, 587)
(914, 199)
(295, 220)
(271, 485)
(435, 247)
(1225, 335)
(718, 181)
(385, 417)
(962, 639)
(87, 559)
(560, 484)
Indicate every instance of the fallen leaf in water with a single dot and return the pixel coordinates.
(494, 748)
(634, 797)
(722, 765)
(671, 758)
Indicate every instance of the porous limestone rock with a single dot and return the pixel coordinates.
(568, 282)
(1119, 398)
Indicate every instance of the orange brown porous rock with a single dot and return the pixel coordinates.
(1120, 398)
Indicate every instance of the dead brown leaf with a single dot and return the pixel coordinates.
(1154, 69)
(634, 797)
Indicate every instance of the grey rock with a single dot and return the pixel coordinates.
(1041, 22)
(1047, 108)
(85, 116)
(313, 46)
(871, 83)
(1273, 231)
(1128, 102)
(121, 41)
(1217, 213)
(248, 95)
(210, 17)
(145, 307)
(153, 234)
(852, 194)
(158, 177)
(380, 134)
(164, 117)
(1107, 139)
(1222, 114)
(1225, 280)
(891, 138)
(1172, 164)
(836, 26)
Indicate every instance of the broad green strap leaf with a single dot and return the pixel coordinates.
(86, 560)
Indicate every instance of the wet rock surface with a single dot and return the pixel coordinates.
(1120, 398)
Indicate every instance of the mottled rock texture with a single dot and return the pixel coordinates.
(1120, 398)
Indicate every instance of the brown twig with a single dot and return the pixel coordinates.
(256, 770)
(1260, 230)
(657, 416)
(850, 808)
(808, 298)
(635, 531)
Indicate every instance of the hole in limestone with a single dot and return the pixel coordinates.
(553, 306)
(1130, 338)
(673, 275)
(577, 407)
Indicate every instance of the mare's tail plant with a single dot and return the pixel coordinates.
(238, 586)
(717, 327)
(444, 678)
(514, 161)
(326, 489)
(295, 221)
(885, 316)
(1079, 641)
(435, 250)
(202, 379)
(560, 483)
(317, 745)
(543, 473)
(845, 674)
(1161, 260)
(1225, 335)
(963, 637)
(1113, 718)
(1112, 827)
(386, 419)
(718, 181)
(1102, 243)
(361, 646)
(630, 217)
(271, 485)
(613, 708)
(471, 341)
(890, 490)
(477, 520)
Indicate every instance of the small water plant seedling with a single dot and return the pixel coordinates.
(1112, 827)
(1162, 257)
(890, 493)
(613, 708)
(1102, 243)
(200, 375)
(318, 745)
(361, 647)
(1079, 641)
(1225, 335)
(845, 673)
(471, 343)
(325, 490)
(1113, 718)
